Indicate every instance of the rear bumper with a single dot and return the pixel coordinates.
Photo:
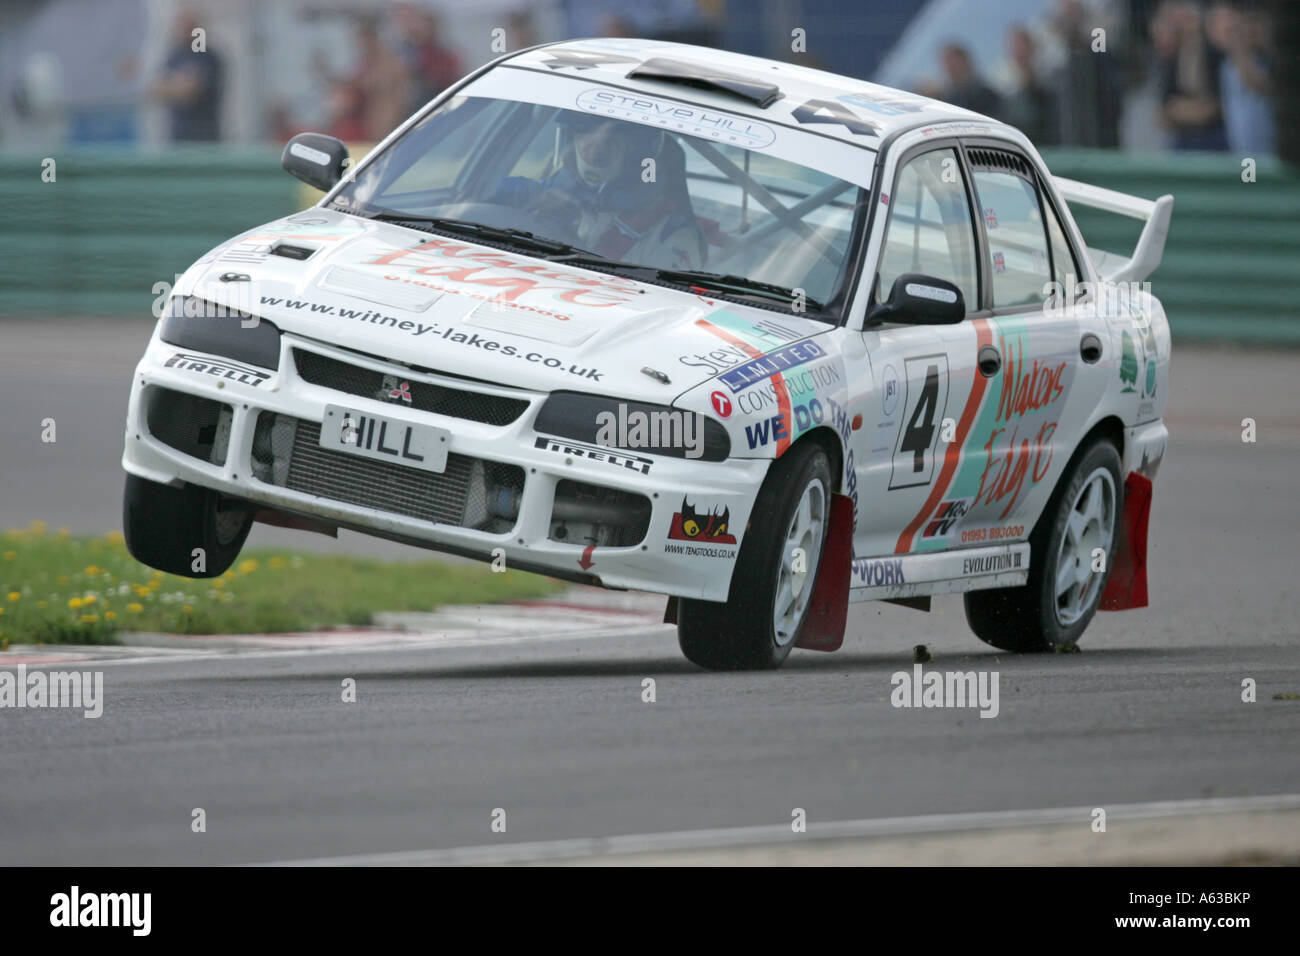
(348, 491)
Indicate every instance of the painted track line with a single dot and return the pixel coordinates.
(598, 848)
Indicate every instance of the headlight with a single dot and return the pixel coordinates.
(633, 426)
(206, 326)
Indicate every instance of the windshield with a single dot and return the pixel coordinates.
(623, 190)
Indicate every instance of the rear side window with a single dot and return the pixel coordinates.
(1018, 257)
(1066, 270)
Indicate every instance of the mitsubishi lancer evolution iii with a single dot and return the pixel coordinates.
(641, 315)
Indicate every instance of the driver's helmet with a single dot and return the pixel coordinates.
(606, 150)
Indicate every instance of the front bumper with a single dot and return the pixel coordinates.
(501, 495)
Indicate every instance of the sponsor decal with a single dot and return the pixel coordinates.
(806, 415)
(875, 572)
(883, 105)
(693, 551)
(946, 517)
(773, 363)
(889, 390)
(746, 340)
(991, 564)
(1000, 533)
(616, 458)
(721, 404)
(509, 277)
(449, 334)
(990, 217)
(818, 112)
(739, 333)
(999, 262)
(677, 116)
(803, 382)
(691, 524)
(217, 368)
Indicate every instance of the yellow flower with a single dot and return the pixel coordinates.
(64, 531)
(11, 555)
(13, 596)
(248, 566)
(37, 527)
(89, 600)
(92, 569)
(89, 618)
(218, 584)
(188, 608)
(135, 608)
(2, 610)
(114, 537)
(110, 615)
(276, 563)
(141, 590)
(74, 603)
(42, 604)
(62, 579)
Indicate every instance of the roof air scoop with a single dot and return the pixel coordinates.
(705, 78)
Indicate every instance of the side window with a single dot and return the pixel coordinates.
(1065, 268)
(930, 228)
(1017, 239)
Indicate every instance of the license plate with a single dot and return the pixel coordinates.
(385, 439)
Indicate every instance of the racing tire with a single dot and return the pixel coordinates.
(163, 525)
(748, 631)
(1054, 607)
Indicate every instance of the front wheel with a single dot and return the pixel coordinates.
(1074, 537)
(189, 530)
(772, 583)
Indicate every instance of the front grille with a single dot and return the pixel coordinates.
(455, 402)
(470, 493)
(198, 427)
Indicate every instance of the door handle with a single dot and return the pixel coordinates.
(990, 361)
(1090, 349)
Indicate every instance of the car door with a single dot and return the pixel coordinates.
(1038, 402)
(923, 376)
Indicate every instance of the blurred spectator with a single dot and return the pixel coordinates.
(521, 31)
(432, 66)
(1189, 77)
(1088, 85)
(375, 97)
(1028, 104)
(190, 85)
(1245, 84)
(964, 87)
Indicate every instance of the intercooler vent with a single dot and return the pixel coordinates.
(198, 427)
(586, 514)
(454, 402)
(469, 493)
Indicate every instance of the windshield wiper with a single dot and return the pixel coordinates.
(514, 237)
(709, 281)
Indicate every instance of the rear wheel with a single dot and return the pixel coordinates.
(191, 531)
(1063, 592)
(772, 583)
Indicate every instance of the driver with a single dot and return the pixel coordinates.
(598, 199)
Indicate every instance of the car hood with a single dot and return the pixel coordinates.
(459, 307)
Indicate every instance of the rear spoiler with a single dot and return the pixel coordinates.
(1150, 245)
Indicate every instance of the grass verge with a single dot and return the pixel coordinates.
(61, 589)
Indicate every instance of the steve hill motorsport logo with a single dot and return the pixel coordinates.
(701, 527)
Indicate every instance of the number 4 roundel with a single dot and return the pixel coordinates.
(924, 405)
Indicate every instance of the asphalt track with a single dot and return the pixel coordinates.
(553, 729)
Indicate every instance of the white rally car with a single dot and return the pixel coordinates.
(757, 337)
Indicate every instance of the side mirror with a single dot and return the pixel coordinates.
(918, 299)
(316, 159)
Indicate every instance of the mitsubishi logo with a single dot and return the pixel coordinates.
(396, 391)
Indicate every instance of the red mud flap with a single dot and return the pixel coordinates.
(1127, 587)
(828, 611)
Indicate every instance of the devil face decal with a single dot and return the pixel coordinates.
(692, 525)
